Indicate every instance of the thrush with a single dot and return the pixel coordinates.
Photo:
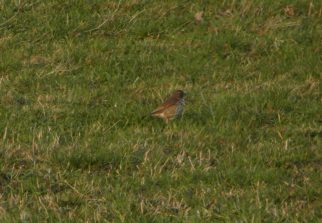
(171, 108)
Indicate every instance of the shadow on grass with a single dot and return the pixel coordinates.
(100, 159)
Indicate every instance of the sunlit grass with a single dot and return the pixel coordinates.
(78, 79)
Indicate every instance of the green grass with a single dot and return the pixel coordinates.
(76, 78)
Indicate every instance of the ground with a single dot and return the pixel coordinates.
(78, 79)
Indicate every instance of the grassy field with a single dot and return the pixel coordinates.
(76, 78)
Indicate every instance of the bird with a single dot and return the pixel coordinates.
(171, 108)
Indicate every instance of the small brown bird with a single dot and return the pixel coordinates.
(171, 108)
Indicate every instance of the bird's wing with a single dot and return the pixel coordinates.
(159, 109)
(168, 102)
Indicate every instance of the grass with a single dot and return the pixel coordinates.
(77, 77)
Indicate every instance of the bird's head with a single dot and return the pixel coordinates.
(179, 93)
